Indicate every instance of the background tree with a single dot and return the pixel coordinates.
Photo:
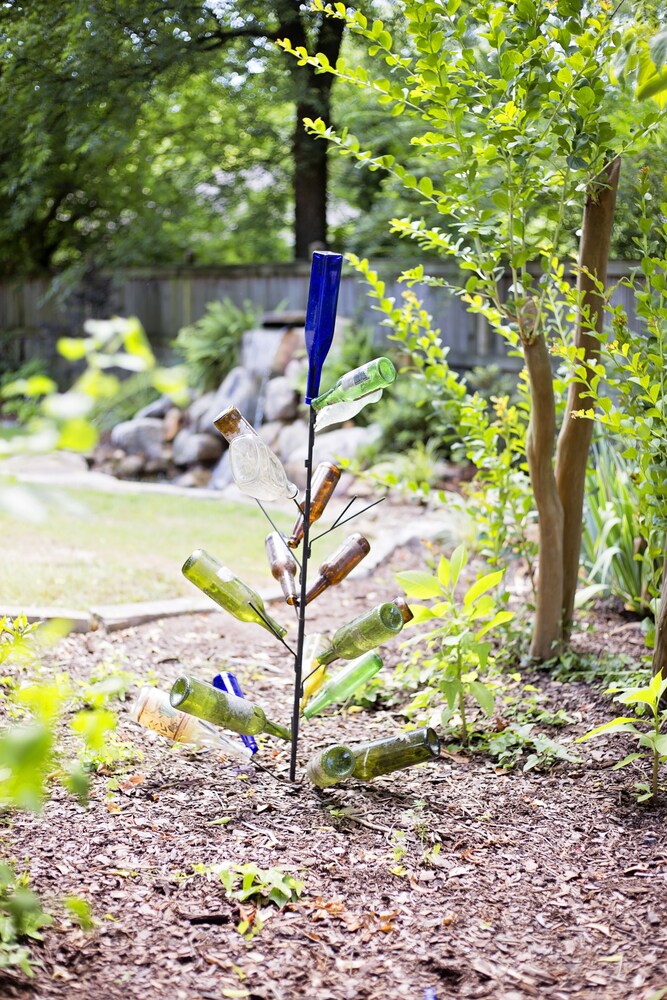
(512, 109)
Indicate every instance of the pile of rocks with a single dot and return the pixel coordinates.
(182, 445)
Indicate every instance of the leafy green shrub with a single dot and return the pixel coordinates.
(133, 393)
(210, 347)
(21, 917)
(617, 557)
(457, 648)
(21, 406)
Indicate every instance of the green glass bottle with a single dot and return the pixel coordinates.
(328, 766)
(230, 593)
(363, 633)
(339, 687)
(238, 714)
(352, 392)
(376, 757)
(373, 375)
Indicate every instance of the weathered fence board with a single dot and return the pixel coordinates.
(167, 299)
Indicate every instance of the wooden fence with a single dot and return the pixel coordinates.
(31, 319)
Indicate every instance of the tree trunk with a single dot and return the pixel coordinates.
(540, 441)
(313, 100)
(660, 649)
(575, 435)
(310, 182)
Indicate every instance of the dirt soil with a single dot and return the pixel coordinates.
(545, 885)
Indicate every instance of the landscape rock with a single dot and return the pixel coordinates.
(191, 448)
(129, 466)
(173, 419)
(198, 412)
(291, 438)
(280, 402)
(269, 433)
(291, 343)
(158, 408)
(222, 474)
(258, 349)
(195, 478)
(239, 389)
(141, 436)
(342, 443)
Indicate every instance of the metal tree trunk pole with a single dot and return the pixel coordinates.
(298, 660)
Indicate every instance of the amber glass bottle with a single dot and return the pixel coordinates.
(404, 608)
(338, 565)
(325, 480)
(283, 565)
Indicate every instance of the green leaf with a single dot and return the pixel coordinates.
(444, 572)
(418, 584)
(457, 562)
(483, 695)
(626, 760)
(481, 586)
(498, 619)
(620, 724)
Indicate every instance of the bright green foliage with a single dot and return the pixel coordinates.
(457, 640)
(16, 638)
(617, 558)
(21, 917)
(650, 737)
(65, 419)
(211, 346)
(519, 739)
(259, 886)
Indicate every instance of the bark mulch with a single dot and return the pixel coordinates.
(544, 884)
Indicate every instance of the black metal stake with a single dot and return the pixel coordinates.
(298, 659)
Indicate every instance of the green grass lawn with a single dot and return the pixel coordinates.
(108, 548)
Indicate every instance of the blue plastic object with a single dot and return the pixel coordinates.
(321, 314)
(227, 682)
(429, 993)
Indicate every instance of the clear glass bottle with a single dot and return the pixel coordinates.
(325, 480)
(337, 566)
(353, 391)
(313, 674)
(328, 766)
(339, 687)
(153, 710)
(228, 682)
(404, 608)
(283, 565)
(376, 757)
(369, 630)
(227, 710)
(230, 593)
(255, 468)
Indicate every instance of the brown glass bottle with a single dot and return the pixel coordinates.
(339, 564)
(404, 608)
(283, 565)
(325, 480)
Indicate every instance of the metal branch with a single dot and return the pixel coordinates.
(338, 522)
(271, 628)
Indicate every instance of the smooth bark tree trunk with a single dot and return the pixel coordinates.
(576, 434)
(660, 649)
(540, 441)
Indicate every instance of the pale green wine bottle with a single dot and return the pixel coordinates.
(230, 593)
(376, 757)
(353, 391)
(339, 687)
(328, 766)
(238, 714)
(363, 633)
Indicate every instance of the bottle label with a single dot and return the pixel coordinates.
(357, 377)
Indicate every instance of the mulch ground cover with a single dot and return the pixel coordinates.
(543, 885)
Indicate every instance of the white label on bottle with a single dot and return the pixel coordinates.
(356, 377)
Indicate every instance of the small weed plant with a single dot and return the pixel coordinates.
(646, 727)
(261, 887)
(458, 649)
